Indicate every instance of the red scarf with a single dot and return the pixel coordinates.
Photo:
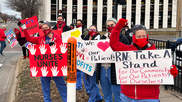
(140, 42)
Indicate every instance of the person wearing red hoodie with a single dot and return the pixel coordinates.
(135, 93)
(2, 41)
(50, 37)
(61, 25)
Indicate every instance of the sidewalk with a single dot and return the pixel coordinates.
(169, 96)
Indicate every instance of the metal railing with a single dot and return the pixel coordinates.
(177, 60)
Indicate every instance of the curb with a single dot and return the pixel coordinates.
(12, 90)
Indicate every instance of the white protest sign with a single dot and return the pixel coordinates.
(98, 51)
(87, 68)
(77, 32)
(144, 67)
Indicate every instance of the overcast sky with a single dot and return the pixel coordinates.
(5, 9)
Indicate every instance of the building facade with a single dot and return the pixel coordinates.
(154, 14)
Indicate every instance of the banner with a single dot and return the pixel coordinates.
(31, 24)
(48, 61)
(11, 38)
(144, 67)
(76, 33)
(98, 51)
(87, 68)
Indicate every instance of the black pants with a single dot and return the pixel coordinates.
(25, 51)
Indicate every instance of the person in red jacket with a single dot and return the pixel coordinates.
(2, 41)
(135, 93)
(50, 37)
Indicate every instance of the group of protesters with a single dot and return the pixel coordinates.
(121, 39)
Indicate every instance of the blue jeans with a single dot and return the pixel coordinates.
(127, 99)
(94, 90)
(79, 80)
(81, 75)
(60, 84)
(86, 83)
(3, 45)
(107, 88)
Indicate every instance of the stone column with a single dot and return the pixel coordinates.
(109, 8)
(165, 14)
(129, 11)
(47, 10)
(119, 12)
(79, 9)
(147, 14)
(156, 14)
(69, 12)
(89, 12)
(138, 12)
(99, 14)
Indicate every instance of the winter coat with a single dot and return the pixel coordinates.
(21, 40)
(42, 39)
(132, 91)
(65, 28)
(2, 35)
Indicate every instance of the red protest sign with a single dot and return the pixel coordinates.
(48, 61)
(31, 24)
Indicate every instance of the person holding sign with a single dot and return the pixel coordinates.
(2, 41)
(135, 93)
(106, 73)
(90, 82)
(50, 38)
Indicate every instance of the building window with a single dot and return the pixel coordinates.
(142, 12)
(64, 9)
(94, 15)
(74, 11)
(133, 13)
(160, 13)
(54, 9)
(152, 14)
(124, 11)
(170, 14)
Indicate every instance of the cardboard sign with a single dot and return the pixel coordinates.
(144, 67)
(11, 38)
(31, 24)
(98, 51)
(48, 61)
(76, 33)
(87, 68)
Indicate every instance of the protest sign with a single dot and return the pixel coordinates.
(32, 26)
(10, 36)
(144, 67)
(76, 33)
(87, 68)
(98, 51)
(48, 61)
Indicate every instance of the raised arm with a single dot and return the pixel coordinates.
(115, 43)
(34, 40)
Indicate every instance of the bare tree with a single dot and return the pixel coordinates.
(28, 8)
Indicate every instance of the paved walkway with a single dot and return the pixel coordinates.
(169, 96)
(7, 72)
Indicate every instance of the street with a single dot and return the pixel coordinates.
(7, 68)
